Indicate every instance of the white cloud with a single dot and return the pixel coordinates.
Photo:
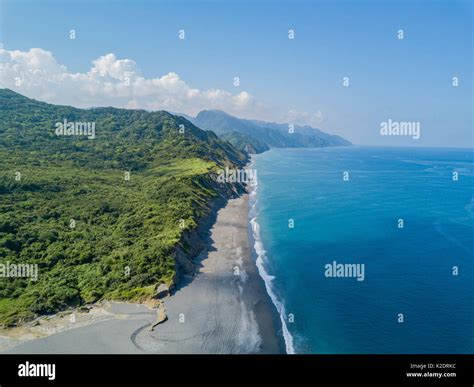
(118, 82)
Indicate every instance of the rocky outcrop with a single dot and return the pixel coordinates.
(162, 291)
(161, 316)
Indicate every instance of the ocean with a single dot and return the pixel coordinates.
(368, 250)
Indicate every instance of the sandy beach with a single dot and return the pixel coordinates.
(222, 308)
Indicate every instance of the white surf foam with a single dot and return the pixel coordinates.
(261, 260)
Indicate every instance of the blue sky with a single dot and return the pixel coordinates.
(299, 79)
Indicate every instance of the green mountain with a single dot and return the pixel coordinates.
(109, 214)
(273, 135)
(245, 142)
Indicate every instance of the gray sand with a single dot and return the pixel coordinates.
(222, 309)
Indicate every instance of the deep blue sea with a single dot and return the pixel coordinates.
(408, 270)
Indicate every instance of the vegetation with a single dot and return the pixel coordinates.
(245, 142)
(261, 135)
(67, 205)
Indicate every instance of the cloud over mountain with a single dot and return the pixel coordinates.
(118, 82)
(112, 81)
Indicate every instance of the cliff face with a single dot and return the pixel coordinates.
(194, 242)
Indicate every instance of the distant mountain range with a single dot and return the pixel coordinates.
(258, 136)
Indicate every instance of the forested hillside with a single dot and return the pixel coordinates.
(101, 217)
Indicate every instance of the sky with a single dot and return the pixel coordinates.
(129, 54)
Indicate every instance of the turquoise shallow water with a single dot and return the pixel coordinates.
(408, 270)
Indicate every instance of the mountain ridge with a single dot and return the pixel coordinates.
(271, 134)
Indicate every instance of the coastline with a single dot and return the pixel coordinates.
(260, 258)
(223, 308)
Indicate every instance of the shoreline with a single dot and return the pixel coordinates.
(260, 258)
(267, 314)
(223, 308)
